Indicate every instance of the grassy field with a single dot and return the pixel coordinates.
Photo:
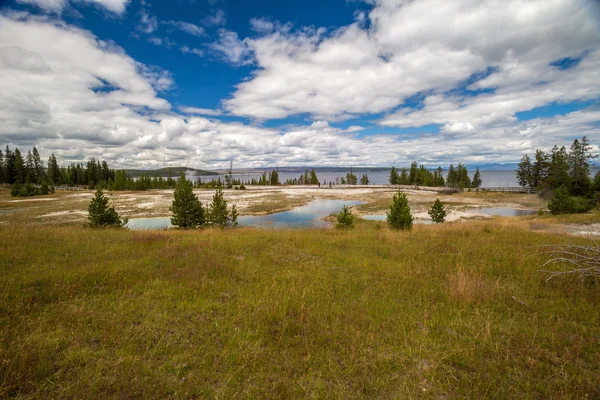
(451, 311)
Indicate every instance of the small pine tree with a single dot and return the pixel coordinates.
(186, 208)
(561, 203)
(100, 214)
(345, 219)
(233, 219)
(218, 214)
(476, 182)
(437, 212)
(399, 216)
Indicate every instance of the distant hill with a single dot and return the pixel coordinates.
(165, 171)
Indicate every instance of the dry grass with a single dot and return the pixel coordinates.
(365, 313)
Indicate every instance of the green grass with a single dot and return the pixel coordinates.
(451, 311)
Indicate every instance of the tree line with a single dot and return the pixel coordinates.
(458, 177)
(565, 174)
(559, 167)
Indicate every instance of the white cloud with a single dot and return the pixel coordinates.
(148, 22)
(57, 6)
(67, 92)
(187, 27)
(191, 50)
(217, 18)
(426, 46)
(231, 48)
(200, 111)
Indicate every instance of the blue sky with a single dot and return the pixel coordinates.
(148, 84)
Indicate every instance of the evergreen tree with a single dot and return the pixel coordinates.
(524, 172)
(351, 179)
(476, 179)
(597, 182)
(414, 172)
(53, 170)
(345, 219)
(38, 166)
(186, 208)
(233, 218)
(579, 158)
(394, 178)
(313, 178)
(558, 169)
(561, 203)
(403, 179)
(218, 214)
(399, 216)
(539, 169)
(463, 176)
(19, 167)
(452, 178)
(437, 212)
(364, 180)
(100, 215)
(2, 168)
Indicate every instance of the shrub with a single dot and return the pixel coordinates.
(399, 216)
(100, 215)
(560, 203)
(437, 212)
(345, 219)
(186, 208)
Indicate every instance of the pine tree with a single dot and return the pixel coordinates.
(394, 176)
(100, 215)
(2, 168)
(579, 157)
(233, 218)
(597, 182)
(218, 214)
(19, 167)
(561, 203)
(437, 212)
(476, 179)
(364, 180)
(403, 179)
(53, 170)
(414, 172)
(186, 208)
(345, 219)
(313, 178)
(38, 166)
(539, 169)
(558, 169)
(399, 216)
(524, 172)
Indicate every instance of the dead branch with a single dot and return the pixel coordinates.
(581, 261)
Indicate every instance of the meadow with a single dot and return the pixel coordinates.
(457, 310)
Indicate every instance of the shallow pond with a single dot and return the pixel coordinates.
(308, 216)
(502, 212)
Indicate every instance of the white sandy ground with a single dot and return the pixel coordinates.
(584, 230)
(63, 213)
(30, 200)
(154, 203)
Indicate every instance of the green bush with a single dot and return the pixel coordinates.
(437, 212)
(562, 203)
(100, 214)
(399, 216)
(345, 219)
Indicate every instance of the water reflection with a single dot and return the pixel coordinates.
(308, 216)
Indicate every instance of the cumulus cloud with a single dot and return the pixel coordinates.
(69, 93)
(426, 46)
(200, 111)
(231, 49)
(57, 6)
